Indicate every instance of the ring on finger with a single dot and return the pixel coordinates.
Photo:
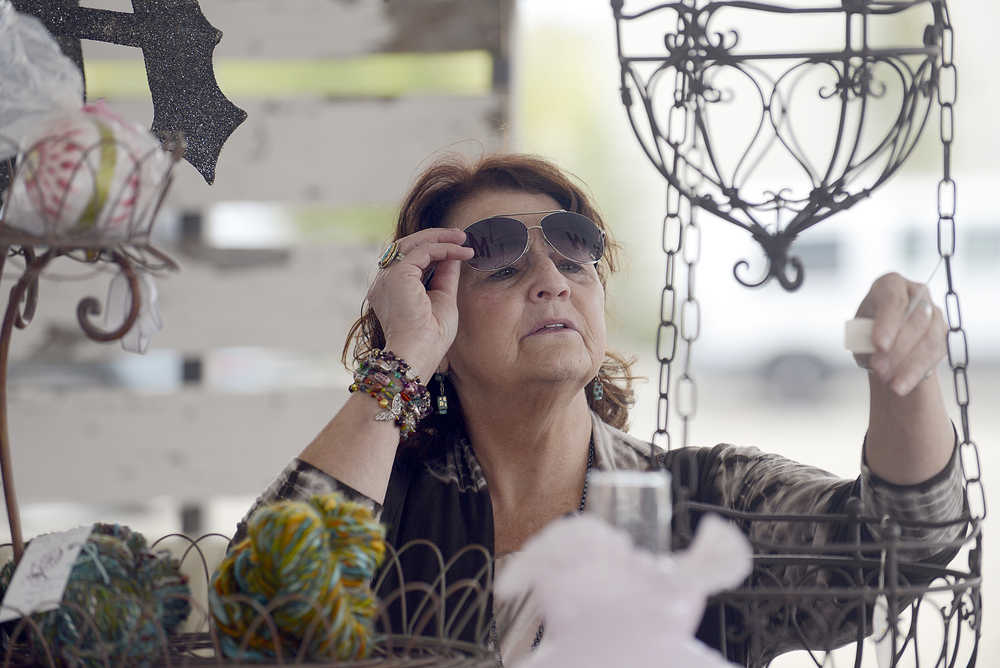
(390, 255)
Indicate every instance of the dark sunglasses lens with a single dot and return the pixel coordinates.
(575, 236)
(498, 242)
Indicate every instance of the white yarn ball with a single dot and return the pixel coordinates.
(86, 176)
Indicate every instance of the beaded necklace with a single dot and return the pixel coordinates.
(494, 638)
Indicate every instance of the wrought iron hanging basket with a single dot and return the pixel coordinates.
(770, 138)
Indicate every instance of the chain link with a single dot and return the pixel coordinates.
(957, 341)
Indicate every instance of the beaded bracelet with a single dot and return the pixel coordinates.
(398, 390)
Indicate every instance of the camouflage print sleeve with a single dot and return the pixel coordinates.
(748, 480)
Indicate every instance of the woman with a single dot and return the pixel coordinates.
(497, 292)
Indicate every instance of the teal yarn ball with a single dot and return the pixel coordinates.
(121, 604)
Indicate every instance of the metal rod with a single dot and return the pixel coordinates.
(807, 55)
(6, 463)
(6, 467)
(12, 317)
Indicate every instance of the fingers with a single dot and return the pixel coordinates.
(425, 247)
(439, 235)
(446, 277)
(917, 347)
(423, 255)
(888, 304)
(923, 357)
(427, 265)
(908, 332)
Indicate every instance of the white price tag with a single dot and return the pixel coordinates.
(43, 573)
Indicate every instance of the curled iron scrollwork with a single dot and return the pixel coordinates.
(91, 306)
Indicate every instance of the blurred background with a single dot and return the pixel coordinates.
(348, 100)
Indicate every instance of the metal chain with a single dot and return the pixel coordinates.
(681, 238)
(667, 332)
(671, 241)
(958, 346)
(687, 390)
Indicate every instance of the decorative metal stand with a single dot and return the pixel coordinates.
(697, 68)
(130, 252)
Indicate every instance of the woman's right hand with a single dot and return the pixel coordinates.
(420, 323)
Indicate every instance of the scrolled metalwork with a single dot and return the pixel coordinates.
(26, 313)
(878, 101)
(91, 306)
(787, 269)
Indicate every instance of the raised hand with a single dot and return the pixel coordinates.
(420, 322)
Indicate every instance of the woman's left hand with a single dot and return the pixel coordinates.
(909, 333)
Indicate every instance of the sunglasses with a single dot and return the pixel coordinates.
(501, 241)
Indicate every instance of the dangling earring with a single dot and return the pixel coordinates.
(597, 389)
(442, 398)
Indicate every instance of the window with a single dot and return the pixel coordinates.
(819, 256)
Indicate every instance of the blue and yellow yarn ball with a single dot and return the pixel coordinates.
(307, 565)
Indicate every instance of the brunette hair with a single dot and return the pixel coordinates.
(449, 181)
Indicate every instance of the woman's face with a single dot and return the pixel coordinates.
(501, 336)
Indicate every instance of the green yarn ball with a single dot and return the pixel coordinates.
(120, 605)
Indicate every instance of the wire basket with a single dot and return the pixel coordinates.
(92, 182)
(816, 602)
(435, 617)
(825, 603)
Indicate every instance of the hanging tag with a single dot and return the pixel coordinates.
(43, 573)
(858, 336)
(884, 627)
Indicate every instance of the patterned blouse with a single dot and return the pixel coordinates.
(443, 499)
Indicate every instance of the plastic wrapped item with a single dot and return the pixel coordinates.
(35, 77)
(607, 603)
(119, 304)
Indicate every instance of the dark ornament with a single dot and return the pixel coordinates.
(177, 42)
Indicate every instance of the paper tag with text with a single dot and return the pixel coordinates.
(43, 573)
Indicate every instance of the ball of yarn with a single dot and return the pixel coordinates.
(86, 174)
(121, 603)
(305, 568)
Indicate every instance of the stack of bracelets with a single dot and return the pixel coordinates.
(391, 382)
